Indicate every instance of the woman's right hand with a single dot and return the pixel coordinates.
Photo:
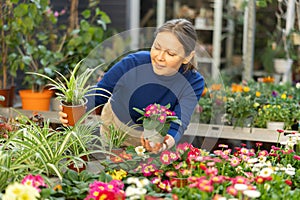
(62, 117)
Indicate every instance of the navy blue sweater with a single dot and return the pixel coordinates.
(133, 83)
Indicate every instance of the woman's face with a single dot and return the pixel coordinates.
(167, 54)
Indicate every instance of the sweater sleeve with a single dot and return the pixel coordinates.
(186, 105)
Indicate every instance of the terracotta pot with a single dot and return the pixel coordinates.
(36, 100)
(9, 97)
(179, 182)
(74, 112)
(116, 151)
(80, 166)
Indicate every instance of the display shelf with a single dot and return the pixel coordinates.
(238, 133)
(194, 129)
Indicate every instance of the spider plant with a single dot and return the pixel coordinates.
(73, 90)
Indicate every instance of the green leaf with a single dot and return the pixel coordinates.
(86, 13)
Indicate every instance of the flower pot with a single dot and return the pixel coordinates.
(153, 136)
(9, 95)
(5, 93)
(282, 66)
(116, 151)
(275, 125)
(80, 166)
(36, 100)
(179, 182)
(74, 112)
(245, 122)
(296, 38)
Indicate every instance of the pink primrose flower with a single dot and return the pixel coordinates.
(173, 156)
(162, 118)
(171, 174)
(165, 157)
(148, 169)
(34, 181)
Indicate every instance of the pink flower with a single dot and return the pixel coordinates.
(280, 130)
(162, 118)
(263, 153)
(217, 179)
(296, 157)
(212, 171)
(171, 174)
(173, 156)
(231, 190)
(56, 14)
(108, 191)
(223, 146)
(62, 12)
(35, 181)
(148, 169)
(234, 161)
(165, 157)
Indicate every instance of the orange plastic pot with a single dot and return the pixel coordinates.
(36, 100)
(74, 112)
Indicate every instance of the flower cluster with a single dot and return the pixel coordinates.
(136, 187)
(29, 188)
(157, 117)
(109, 191)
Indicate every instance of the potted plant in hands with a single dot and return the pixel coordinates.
(157, 121)
(72, 91)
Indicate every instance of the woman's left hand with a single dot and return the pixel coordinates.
(158, 147)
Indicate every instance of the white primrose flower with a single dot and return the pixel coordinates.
(252, 193)
(140, 150)
(240, 187)
(266, 172)
(18, 191)
(132, 180)
(252, 160)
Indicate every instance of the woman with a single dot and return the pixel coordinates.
(166, 74)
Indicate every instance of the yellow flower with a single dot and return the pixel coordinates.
(257, 94)
(118, 175)
(57, 187)
(283, 96)
(255, 105)
(246, 89)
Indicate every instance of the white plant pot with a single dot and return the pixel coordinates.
(282, 66)
(275, 125)
(153, 136)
